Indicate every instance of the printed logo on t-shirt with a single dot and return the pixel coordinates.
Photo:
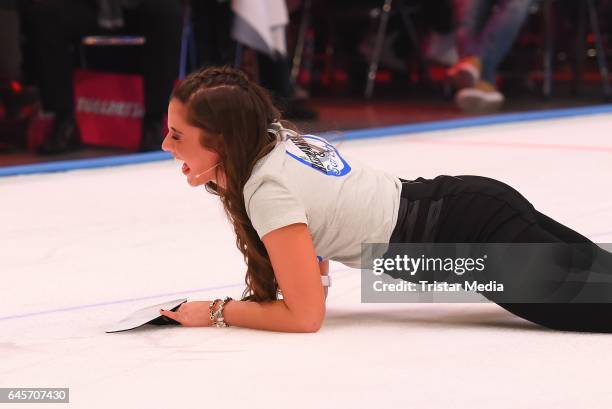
(318, 154)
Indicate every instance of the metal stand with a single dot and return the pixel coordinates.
(601, 53)
(380, 37)
(301, 39)
(588, 12)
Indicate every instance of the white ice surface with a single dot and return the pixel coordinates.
(80, 250)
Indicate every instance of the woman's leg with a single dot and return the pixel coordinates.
(160, 21)
(602, 259)
(471, 17)
(499, 34)
(475, 209)
(583, 273)
(566, 270)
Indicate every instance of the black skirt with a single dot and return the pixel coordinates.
(476, 209)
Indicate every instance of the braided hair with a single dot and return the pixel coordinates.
(235, 113)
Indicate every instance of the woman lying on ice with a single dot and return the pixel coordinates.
(296, 202)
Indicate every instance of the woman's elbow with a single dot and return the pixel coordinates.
(313, 321)
(311, 325)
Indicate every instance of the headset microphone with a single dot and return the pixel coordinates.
(212, 167)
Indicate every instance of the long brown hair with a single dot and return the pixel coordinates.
(235, 113)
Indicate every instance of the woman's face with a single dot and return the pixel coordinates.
(183, 142)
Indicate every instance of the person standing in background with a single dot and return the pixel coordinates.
(59, 24)
(219, 25)
(486, 30)
(441, 44)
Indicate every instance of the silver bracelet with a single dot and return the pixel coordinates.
(217, 316)
(211, 309)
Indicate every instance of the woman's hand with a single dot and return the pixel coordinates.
(191, 314)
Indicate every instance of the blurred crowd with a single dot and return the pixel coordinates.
(40, 42)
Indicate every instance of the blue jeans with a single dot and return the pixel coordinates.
(487, 29)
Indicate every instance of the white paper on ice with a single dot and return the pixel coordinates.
(144, 315)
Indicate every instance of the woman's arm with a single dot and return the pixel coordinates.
(302, 308)
(294, 261)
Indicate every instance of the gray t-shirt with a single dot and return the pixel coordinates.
(343, 202)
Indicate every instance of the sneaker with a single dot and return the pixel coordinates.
(484, 97)
(466, 73)
(441, 49)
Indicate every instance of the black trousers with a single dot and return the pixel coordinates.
(58, 25)
(476, 209)
(10, 50)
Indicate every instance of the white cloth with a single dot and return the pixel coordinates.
(260, 24)
(344, 202)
